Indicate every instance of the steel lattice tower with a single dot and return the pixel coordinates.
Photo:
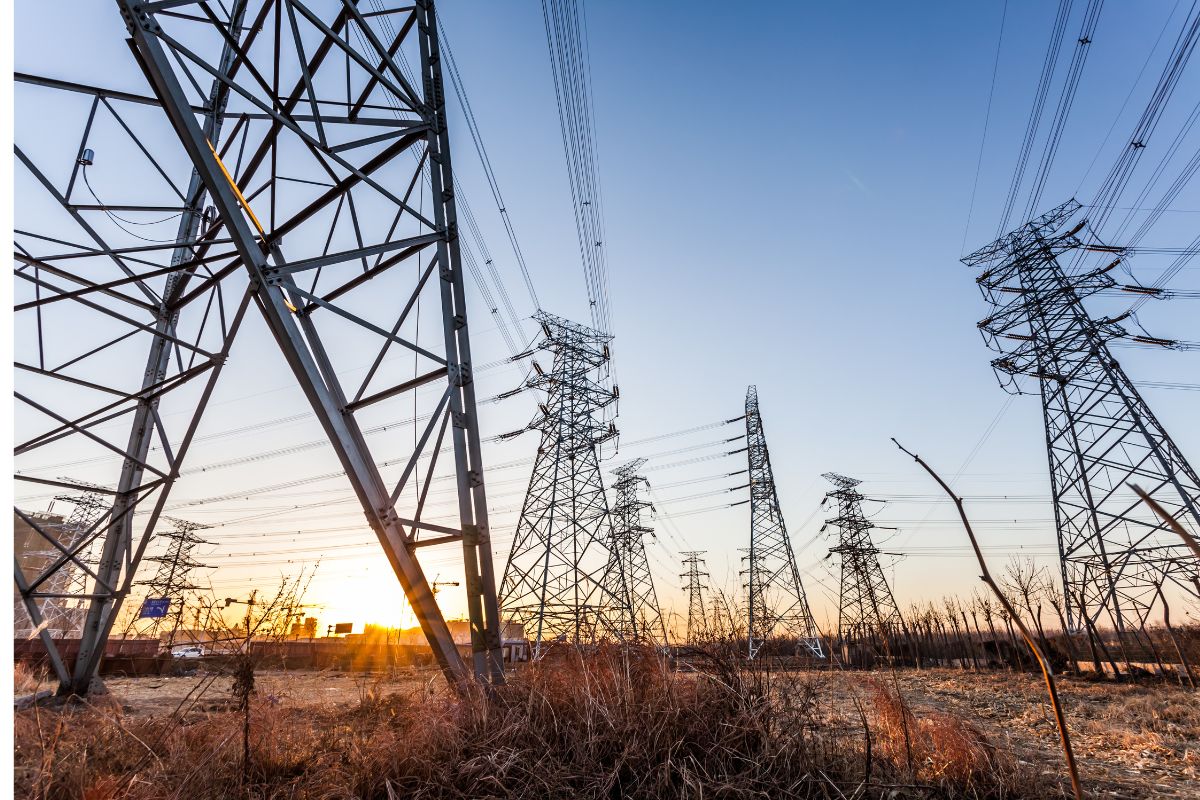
(302, 161)
(90, 508)
(629, 554)
(865, 602)
(697, 619)
(775, 600)
(1100, 433)
(173, 577)
(62, 612)
(563, 580)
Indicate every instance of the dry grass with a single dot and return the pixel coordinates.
(26, 680)
(1132, 741)
(613, 725)
(944, 748)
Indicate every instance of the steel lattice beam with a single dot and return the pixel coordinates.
(866, 606)
(337, 127)
(629, 554)
(1100, 434)
(697, 620)
(564, 581)
(776, 605)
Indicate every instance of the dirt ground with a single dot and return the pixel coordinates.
(205, 692)
(1130, 741)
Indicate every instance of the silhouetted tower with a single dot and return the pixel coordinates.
(173, 579)
(629, 554)
(562, 581)
(775, 599)
(866, 607)
(697, 627)
(1100, 434)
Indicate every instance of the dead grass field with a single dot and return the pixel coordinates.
(572, 732)
(1131, 741)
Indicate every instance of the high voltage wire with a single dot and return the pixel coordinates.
(1113, 185)
(986, 121)
(321, 548)
(566, 40)
(502, 466)
(1045, 79)
(1066, 100)
(1129, 96)
(1168, 197)
(277, 511)
(481, 151)
(472, 227)
(259, 426)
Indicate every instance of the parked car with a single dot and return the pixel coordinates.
(187, 651)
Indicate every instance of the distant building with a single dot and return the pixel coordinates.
(304, 630)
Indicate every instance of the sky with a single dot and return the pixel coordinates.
(788, 191)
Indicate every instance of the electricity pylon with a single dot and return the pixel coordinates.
(172, 580)
(563, 581)
(316, 162)
(1100, 433)
(776, 605)
(866, 606)
(629, 554)
(61, 610)
(89, 508)
(697, 619)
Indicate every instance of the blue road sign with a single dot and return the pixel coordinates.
(155, 608)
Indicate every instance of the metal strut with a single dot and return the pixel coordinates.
(1101, 435)
(276, 293)
(297, 159)
(776, 604)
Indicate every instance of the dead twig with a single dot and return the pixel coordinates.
(986, 577)
(1172, 523)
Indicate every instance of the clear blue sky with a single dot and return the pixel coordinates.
(787, 189)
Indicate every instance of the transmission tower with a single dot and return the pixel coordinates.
(865, 603)
(62, 612)
(83, 522)
(314, 163)
(172, 580)
(563, 580)
(629, 554)
(697, 625)
(776, 605)
(1100, 433)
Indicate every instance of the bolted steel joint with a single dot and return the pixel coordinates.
(136, 16)
(460, 374)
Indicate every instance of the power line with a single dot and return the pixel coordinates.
(481, 150)
(987, 118)
(566, 40)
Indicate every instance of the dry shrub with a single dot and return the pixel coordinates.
(607, 724)
(26, 679)
(942, 748)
